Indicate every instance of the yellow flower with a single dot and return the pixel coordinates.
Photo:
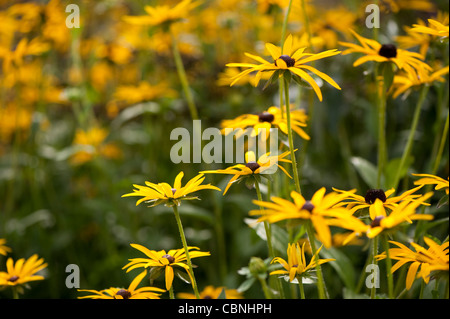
(413, 39)
(428, 179)
(397, 5)
(264, 165)
(404, 82)
(164, 260)
(132, 292)
(211, 292)
(143, 91)
(296, 266)
(433, 259)
(163, 193)
(24, 48)
(164, 15)
(289, 59)
(434, 28)
(377, 200)
(272, 118)
(22, 272)
(4, 250)
(411, 62)
(320, 210)
(405, 211)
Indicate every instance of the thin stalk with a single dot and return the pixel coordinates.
(300, 287)
(381, 131)
(284, 27)
(373, 290)
(389, 274)
(265, 288)
(183, 79)
(441, 148)
(185, 246)
(171, 295)
(412, 131)
(290, 138)
(268, 230)
(312, 241)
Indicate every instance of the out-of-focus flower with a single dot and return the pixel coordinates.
(211, 292)
(4, 250)
(434, 27)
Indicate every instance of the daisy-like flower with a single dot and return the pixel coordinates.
(263, 166)
(162, 260)
(21, 272)
(211, 292)
(434, 259)
(163, 193)
(295, 266)
(319, 210)
(4, 250)
(287, 59)
(410, 62)
(428, 179)
(164, 15)
(403, 83)
(405, 211)
(272, 118)
(377, 200)
(132, 292)
(434, 28)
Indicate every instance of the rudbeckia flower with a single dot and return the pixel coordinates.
(163, 193)
(410, 62)
(287, 59)
(163, 260)
(272, 118)
(261, 167)
(428, 179)
(434, 259)
(405, 211)
(320, 210)
(132, 292)
(295, 266)
(211, 292)
(4, 249)
(21, 272)
(377, 200)
(434, 28)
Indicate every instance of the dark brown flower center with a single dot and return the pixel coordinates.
(174, 190)
(169, 258)
(287, 59)
(373, 194)
(253, 166)
(13, 278)
(124, 293)
(388, 51)
(266, 117)
(308, 206)
(376, 221)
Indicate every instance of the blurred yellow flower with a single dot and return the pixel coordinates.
(428, 179)
(4, 250)
(434, 28)
(211, 292)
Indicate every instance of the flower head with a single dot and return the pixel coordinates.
(410, 62)
(296, 265)
(21, 272)
(132, 292)
(433, 259)
(163, 193)
(4, 249)
(211, 292)
(289, 59)
(319, 210)
(428, 179)
(434, 28)
(266, 164)
(162, 260)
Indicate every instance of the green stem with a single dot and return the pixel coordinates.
(381, 130)
(412, 131)
(373, 291)
(185, 246)
(171, 295)
(312, 241)
(265, 288)
(300, 287)
(284, 27)
(290, 137)
(441, 148)
(307, 27)
(183, 79)
(15, 293)
(389, 274)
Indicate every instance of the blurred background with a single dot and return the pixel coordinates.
(87, 112)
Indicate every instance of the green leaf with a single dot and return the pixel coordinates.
(342, 265)
(392, 168)
(366, 170)
(443, 201)
(222, 295)
(246, 285)
(182, 275)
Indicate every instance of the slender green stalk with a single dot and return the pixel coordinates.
(15, 293)
(171, 295)
(312, 241)
(306, 21)
(290, 137)
(382, 153)
(438, 157)
(265, 288)
(373, 290)
(412, 131)
(185, 246)
(300, 287)
(389, 274)
(183, 79)
(284, 27)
